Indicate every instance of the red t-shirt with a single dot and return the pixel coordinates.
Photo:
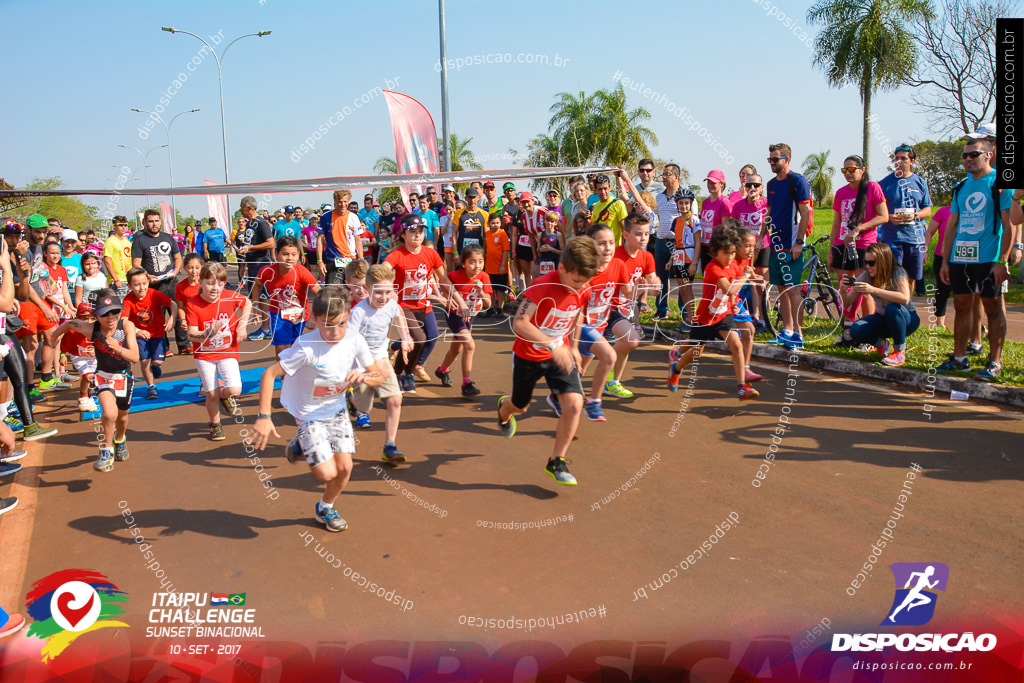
(183, 291)
(714, 304)
(201, 313)
(148, 312)
(465, 287)
(637, 266)
(557, 307)
(367, 250)
(412, 275)
(604, 288)
(58, 278)
(287, 291)
(75, 343)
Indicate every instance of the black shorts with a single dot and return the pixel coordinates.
(681, 272)
(123, 402)
(216, 256)
(525, 374)
(524, 253)
(973, 278)
(456, 323)
(499, 282)
(840, 262)
(705, 257)
(762, 258)
(711, 332)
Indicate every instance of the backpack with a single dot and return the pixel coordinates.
(996, 213)
(792, 195)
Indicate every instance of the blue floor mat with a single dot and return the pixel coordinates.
(181, 391)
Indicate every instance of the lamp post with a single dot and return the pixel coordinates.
(170, 161)
(145, 161)
(220, 78)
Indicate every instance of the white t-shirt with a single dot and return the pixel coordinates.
(314, 386)
(373, 325)
(90, 284)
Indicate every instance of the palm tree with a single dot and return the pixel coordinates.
(571, 119)
(819, 175)
(461, 156)
(617, 130)
(867, 43)
(387, 166)
(546, 151)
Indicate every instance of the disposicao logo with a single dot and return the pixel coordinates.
(914, 605)
(69, 603)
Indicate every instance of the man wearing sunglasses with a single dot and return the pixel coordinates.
(645, 180)
(974, 257)
(436, 205)
(910, 206)
(117, 255)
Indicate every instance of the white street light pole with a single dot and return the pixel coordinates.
(170, 161)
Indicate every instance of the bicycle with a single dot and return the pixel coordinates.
(819, 296)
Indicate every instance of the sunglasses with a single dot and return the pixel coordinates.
(850, 169)
(121, 225)
(113, 312)
(973, 155)
(647, 170)
(869, 263)
(750, 186)
(773, 160)
(431, 191)
(904, 148)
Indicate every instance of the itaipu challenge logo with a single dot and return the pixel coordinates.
(70, 603)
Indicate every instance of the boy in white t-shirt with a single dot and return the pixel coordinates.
(316, 371)
(372, 319)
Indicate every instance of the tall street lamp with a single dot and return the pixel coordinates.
(170, 162)
(145, 160)
(220, 78)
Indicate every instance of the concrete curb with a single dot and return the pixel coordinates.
(932, 384)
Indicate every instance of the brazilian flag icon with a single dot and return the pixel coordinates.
(236, 599)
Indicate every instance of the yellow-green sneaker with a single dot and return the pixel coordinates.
(615, 388)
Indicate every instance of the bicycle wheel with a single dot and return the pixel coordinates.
(771, 312)
(828, 295)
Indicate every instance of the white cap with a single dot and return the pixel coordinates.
(985, 130)
(68, 235)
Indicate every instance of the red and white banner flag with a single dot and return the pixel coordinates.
(415, 139)
(217, 204)
(167, 216)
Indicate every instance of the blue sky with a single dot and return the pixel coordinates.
(74, 71)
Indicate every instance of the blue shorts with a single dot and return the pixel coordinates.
(154, 348)
(783, 269)
(285, 331)
(588, 337)
(910, 256)
(456, 323)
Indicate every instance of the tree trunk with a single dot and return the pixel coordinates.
(866, 97)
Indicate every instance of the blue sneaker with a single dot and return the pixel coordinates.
(392, 454)
(782, 338)
(363, 420)
(330, 518)
(15, 424)
(990, 373)
(795, 343)
(555, 405)
(952, 364)
(593, 410)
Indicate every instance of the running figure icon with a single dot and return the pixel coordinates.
(915, 598)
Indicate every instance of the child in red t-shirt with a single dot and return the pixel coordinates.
(718, 302)
(288, 285)
(145, 308)
(474, 285)
(188, 288)
(547, 328)
(83, 356)
(215, 317)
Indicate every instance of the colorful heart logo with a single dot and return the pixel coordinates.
(75, 606)
(73, 615)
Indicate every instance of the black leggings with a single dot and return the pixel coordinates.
(14, 367)
(423, 330)
(942, 290)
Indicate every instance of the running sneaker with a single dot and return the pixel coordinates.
(884, 349)
(258, 335)
(54, 384)
(445, 377)
(105, 462)
(508, 428)
(747, 392)
(392, 454)
(863, 348)
(895, 358)
(121, 450)
(14, 455)
(330, 518)
(615, 388)
(34, 431)
(410, 384)
(13, 625)
(363, 421)
(673, 376)
(8, 504)
(15, 424)
(759, 326)
(70, 378)
(990, 373)
(167, 354)
(560, 472)
(952, 363)
(593, 410)
(86, 404)
(469, 389)
(187, 351)
(216, 432)
(151, 393)
(8, 470)
(229, 405)
(292, 452)
(782, 338)
(795, 342)
(421, 375)
(35, 395)
(555, 405)
(974, 349)
(749, 377)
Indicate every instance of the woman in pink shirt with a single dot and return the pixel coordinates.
(858, 210)
(942, 290)
(741, 193)
(713, 210)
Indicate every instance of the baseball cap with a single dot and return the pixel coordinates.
(985, 130)
(325, 207)
(84, 308)
(447, 188)
(526, 195)
(289, 209)
(68, 234)
(211, 219)
(37, 221)
(107, 304)
(716, 175)
(199, 221)
(489, 185)
(376, 203)
(472, 192)
(553, 193)
(11, 227)
(508, 186)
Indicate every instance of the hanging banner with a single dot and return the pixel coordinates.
(167, 216)
(415, 139)
(217, 205)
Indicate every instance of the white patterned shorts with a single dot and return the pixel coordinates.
(321, 439)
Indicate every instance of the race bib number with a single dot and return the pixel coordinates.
(547, 267)
(85, 351)
(341, 262)
(219, 341)
(116, 382)
(966, 252)
(719, 304)
(3, 323)
(556, 324)
(327, 390)
(524, 241)
(680, 258)
(470, 242)
(293, 314)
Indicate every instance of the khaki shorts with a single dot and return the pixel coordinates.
(362, 395)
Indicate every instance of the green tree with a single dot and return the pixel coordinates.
(571, 121)
(461, 156)
(819, 175)
(867, 44)
(617, 130)
(387, 166)
(940, 164)
(70, 211)
(541, 152)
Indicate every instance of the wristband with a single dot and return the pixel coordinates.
(262, 416)
(1019, 245)
(553, 344)
(800, 242)
(998, 261)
